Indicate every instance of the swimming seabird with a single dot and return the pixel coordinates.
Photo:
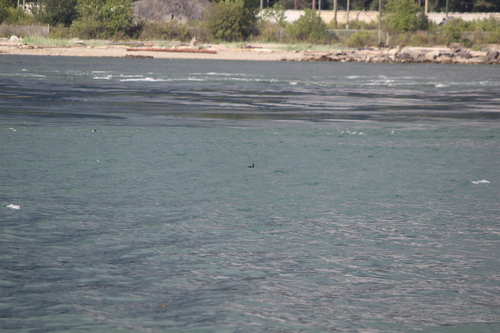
(251, 166)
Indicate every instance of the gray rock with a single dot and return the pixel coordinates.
(404, 56)
(430, 56)
(463, 54)
(491, 56)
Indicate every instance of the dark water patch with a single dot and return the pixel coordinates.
(41, 114)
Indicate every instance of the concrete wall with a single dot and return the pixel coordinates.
(368, 16)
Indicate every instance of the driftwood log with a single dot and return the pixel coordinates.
(157, 49)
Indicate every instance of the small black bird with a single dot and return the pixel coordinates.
(251, 166)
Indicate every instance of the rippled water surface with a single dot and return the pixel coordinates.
(128, 204)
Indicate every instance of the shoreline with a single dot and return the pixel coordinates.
(265, 52)
(219, 52)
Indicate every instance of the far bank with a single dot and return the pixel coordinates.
(256, 52)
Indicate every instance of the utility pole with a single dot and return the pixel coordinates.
(348, 5)
(334, 14)
(380, 20)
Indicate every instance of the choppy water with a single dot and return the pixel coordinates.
(373, 205)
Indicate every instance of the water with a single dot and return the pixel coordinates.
(373, 205)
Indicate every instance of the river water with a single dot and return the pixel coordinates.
(128, 204)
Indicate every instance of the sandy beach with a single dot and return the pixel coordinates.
(220, 52)
(263, 52)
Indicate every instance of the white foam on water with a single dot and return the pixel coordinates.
(484, 181)
(222, 74)
(138, 75)
(352, 133)
(144, 79)
(12, 206)
(109, 77)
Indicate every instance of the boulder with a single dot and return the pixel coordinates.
(404, 56)
(431, 56)
(392, 52)
(463, 54)
(491, 56)
(444, 59)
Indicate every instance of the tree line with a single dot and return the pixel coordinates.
(459, 6)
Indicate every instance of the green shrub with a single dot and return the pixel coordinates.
(420, 38)
(102, 18)
(60, 32)
(309, 27)
(469, 33)
(402, 15)
(451, 31)
(14, 15)
(361, 39)
(423, 22)
(172, 30)
(270, 32)
(492, 38)
(5, 6)
(488, 25)
(359, 25)
(199, 31)
(230, 21)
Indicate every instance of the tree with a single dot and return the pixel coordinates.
(55, 12)
(275, 14)
(295, 4)
(11, 13)
(230, 20)
(250, 4)
(308, 28)
(103, 18)
(402, 15)
(6, 9)
(486, 6)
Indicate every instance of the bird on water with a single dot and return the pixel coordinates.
(251, 166)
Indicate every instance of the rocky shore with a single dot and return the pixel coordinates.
(259, 52)
(441, 55)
